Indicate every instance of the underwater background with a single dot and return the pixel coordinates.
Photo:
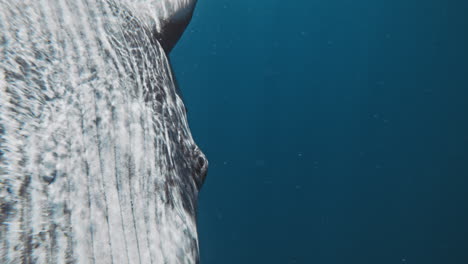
(336, 131)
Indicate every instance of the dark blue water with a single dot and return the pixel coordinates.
(337, 131)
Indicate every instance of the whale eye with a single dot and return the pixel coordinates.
(200, 167)
(201, 162)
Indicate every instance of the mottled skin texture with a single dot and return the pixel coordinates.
(97, 162)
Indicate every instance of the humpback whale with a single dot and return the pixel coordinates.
(97, 161)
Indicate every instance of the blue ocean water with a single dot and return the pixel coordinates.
(337, 131)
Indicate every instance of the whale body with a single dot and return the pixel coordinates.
(97, 162)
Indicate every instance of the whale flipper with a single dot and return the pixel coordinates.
(169, 18)
(173, 26)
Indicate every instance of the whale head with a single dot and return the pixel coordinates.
(97, 160)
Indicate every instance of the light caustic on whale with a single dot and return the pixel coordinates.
(97, 162)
